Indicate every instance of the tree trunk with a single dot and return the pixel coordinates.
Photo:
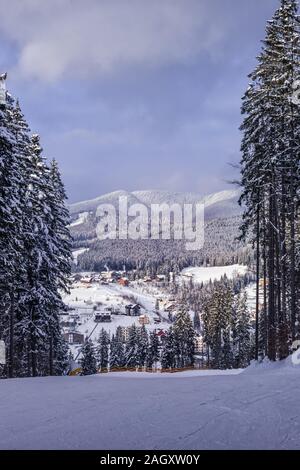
(33, 345)
(292, 260)
(271, 290)
(11, 336)
(51, 354)
(257, 283)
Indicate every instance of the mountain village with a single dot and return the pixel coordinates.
(109, 299)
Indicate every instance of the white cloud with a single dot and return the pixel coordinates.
(87, 38)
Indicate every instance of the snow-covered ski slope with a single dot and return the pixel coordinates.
(214, 273)
(256, 409)
(77, 253)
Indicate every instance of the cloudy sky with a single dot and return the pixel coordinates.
(134, 94)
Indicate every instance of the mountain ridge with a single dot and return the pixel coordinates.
(221, 246)
(225, 201)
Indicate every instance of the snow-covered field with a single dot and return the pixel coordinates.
(81, 218)
(77, 253)
(214, 273)
(256, 409)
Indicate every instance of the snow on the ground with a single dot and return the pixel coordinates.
(213, 273)
(77, 253)
(82, 217)
(259, 409)
(250, 291)
(184, 373)
(83, 298)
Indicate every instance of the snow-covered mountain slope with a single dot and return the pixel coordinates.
(81, 219)
(168, 197)
(256, 409)
(220, 204)
(109, 198)
(220, 197)
(222, 217)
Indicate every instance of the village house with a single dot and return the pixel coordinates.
(123, 281)
(132, 310)
(67, 322)
(102, 317)
(86, 280)
(161, 280)
(144, 320)
(76, 277)
(161, 277)
(169, 307)
(187, 276)
(166, 302)
(112, 276)
(199, 344)
(74, 337)
(125, 333)
(161, 335)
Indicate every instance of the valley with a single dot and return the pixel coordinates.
(98, 301)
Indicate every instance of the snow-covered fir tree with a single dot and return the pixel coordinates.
(153, 354)
(88, 359)
(197, 322)
(270, 179)
(35, 255)
(184, 337)
(241, 332)
(131, 349)
(216, 323)
(168, 351)
(117, 350)
(142, 346)
(11, 217)
(102, 350)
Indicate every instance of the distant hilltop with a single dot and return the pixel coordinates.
(222, 204)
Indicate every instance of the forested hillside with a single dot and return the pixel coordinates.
(221, 244)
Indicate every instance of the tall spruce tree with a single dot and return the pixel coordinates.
(241, 332)
(184, 337)
(217, 321)
(35, 250)
(168, 351)
(117, 350)
(153, 350)
(270, 177)
(102, 350)
(131, 350)
(88, 361)
(11, 217)
(142, 346)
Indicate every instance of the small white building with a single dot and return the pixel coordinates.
(125, 333)
(199, 344)
(144, 320)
